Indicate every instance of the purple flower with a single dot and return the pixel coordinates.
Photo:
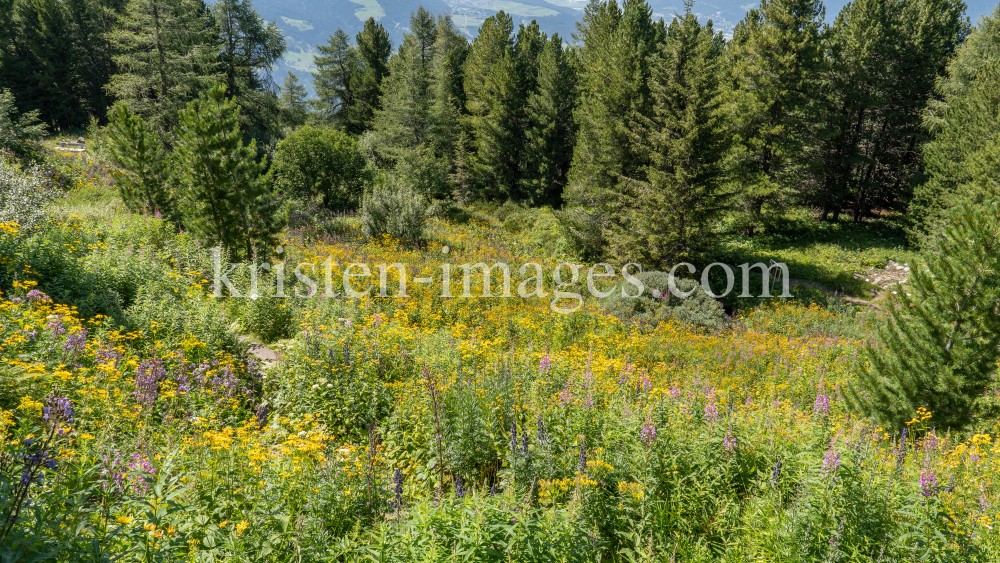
(76, 342)
(15, 300)
(148, 376)
(544, 364)
(928, 483)
(776, 472)
(58, 409)
(625, 375)
(35, 295)
(729, 441)
(566, 395)
(822, 405)
(57, 328)
(648, 434)
(711, 412)
(832, 461)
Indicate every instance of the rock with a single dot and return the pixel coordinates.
(81, 140)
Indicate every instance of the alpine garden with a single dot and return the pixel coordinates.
(237, 324)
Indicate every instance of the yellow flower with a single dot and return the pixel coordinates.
(224, 523)
(124, 519)
(150, 526)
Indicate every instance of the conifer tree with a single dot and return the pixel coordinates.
(495, 99)
(138, 152)
(249, 48)
(941, 343)
(404, 122)
(884, 57)
(615, 54)
(293, 101)
(417, 127)
(775, 63)
(680, 192)
(551, 130)
(348, 78)
(962, 119)
(167, 55)
(374, 49)
(224, 197)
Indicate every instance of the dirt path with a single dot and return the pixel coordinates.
(267, 356)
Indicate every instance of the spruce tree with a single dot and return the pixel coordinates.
(551, 130)
(336, 65)
(680, 193)
(775, 64)
(615, 54)
(138, 153)
(941, 343)
(495, 99)
(417, 127)
(167, 55)
(224, 196)
(294, 106)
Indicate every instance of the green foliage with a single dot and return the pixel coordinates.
(551, 129)
(614, 86)
(421, 98)
(496, 94)
(268, 318)
(55, 59)
(138, 152)
(250, 47)
(391, 207)
(320, 162)
(17, 131)
(24, 194)
(293, 102)
(166, 53)
(961, 161)
(224, 197)
(658, 303)
(939, 348)
(884, 57)
(348, 78)
(774, 63)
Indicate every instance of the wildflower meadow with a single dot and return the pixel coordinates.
(137, 426)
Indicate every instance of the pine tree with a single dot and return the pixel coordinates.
(348, 78)
(447, 71)
(224, 197)
(18, 130)
(293, 101)
(167, 55)
(962, 119)
(775, 63)
(374, 49)
(138, 153)
(615, 56)
(405, 120)
(250, 46)
(680, 193)
(941, 344)
(884, 57)
(551, 130)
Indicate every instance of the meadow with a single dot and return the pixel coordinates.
(138, 428)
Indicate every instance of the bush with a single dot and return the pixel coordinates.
(267, 318)
(16, 133)
(24, 195)
(392, 208)
(320, 162)
(698, 309)
(428, 174)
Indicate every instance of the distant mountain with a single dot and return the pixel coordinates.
(308, 23)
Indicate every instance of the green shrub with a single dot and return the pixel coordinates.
(698, 309)
(428, 174)
(267, 318)
(320, 162)
(17, 131)
(24, 194)
(393, 208)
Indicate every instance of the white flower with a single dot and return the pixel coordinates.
(302, 434)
